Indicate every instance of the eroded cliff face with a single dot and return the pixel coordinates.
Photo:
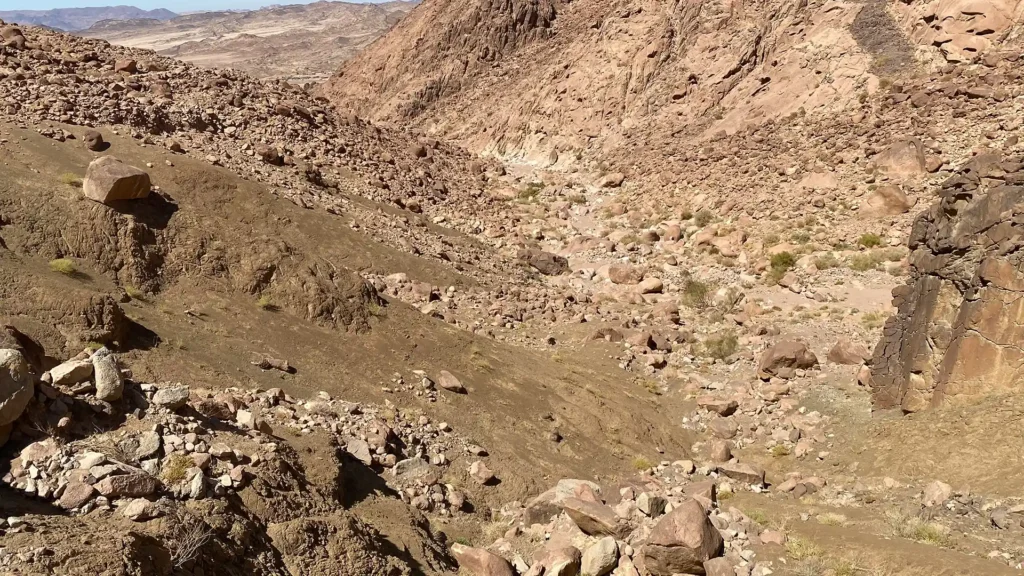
(958, 331)
(551, 82)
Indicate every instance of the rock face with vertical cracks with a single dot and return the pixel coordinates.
(959, 330)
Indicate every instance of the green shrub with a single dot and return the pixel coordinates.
(783, 261)
(175, 468)
(870, 240)
(530, 192)
(697, 294)
(134, 293)
(721, 346)
(865, 262)
(265, 303)
(640, 463)
(826, 261)
(71, 179)
(703, 218)
(64, 266)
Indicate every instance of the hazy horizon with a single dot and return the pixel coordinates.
(172, 5)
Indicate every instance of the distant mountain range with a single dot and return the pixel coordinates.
(73, 19)
(304, 42)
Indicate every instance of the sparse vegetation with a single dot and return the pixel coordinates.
(913, 528)
(697, 294)
(265, 303)
(134, 293)
(780, 451)
(872, 320)
(865, 262)
(832, 519)
(71, 179)
(110, 447)
(759, 517)
(870, 240)
(529, 192)
(780, 264)
(175, 468)
(826, 262)
(721, 346)
(640, 463)
(703, 218)
(783, 261)
(801, 549)
(376, 310)
(64, 266)
(190, 534)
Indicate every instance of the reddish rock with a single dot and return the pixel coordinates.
(784, 357)
(847, 352)
(480, 562)
(682, 542)
(593, 518)
(109, 180)
(128, 485)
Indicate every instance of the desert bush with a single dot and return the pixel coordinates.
(703, 218)
(175, 468)
(697, 294)
(640, 463)
(188, 536)
(64, 266)
(826, 261)
(783, 261)
(71, 179)
(870, 240)
(721, 346)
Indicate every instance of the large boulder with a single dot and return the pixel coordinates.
(625, 274)
(110, 180)
(886, 200)
(682, 541)
(848, 352)
(556, 559)
(594, 519)
(600, 558)
(543, 507)
(16, 385)
(94, 141)
(545, 262)
(959, 326)
(903, 158)
(480, 562)
(784, 357)
(109, 382)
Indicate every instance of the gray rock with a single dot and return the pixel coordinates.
(149, 445)
(450, 383)
(172, 398)
(140, 510)
(109, 382)
(16, 385)
(600, 558)
(71, 372)
(359, 450)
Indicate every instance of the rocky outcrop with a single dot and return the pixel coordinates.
(16, 387)
(958, 328)
(682, 541)
(110, 180)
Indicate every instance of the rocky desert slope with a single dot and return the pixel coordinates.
(72, 19)
(299, 43)
(246, 331)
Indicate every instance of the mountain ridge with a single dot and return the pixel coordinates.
(74, 19)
